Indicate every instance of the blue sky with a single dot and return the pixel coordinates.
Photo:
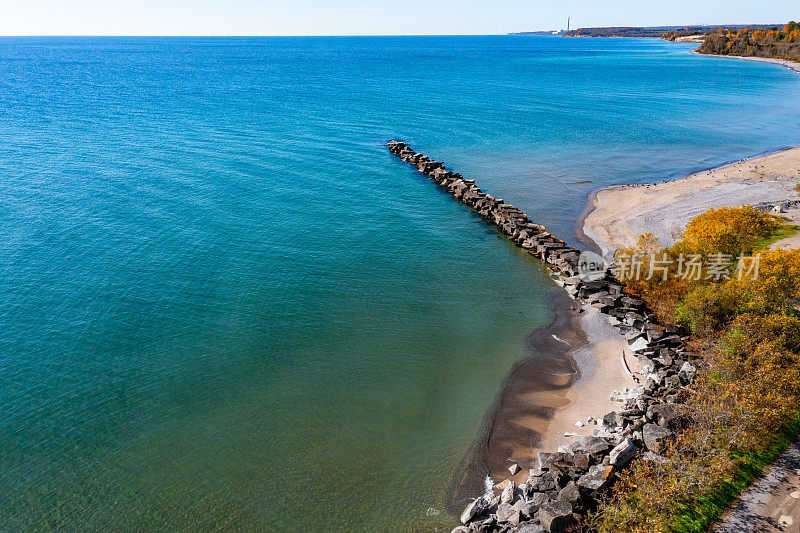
(365, 17)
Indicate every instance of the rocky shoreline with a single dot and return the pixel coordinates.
(564, 484)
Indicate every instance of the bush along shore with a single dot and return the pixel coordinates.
(569, 483)
(745, 321)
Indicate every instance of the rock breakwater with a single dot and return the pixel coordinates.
(564, 484)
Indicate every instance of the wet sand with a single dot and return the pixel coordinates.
(577, 364)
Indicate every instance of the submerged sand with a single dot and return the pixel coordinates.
(576, 367)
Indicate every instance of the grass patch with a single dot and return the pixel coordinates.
(786, 230)
(703, 512)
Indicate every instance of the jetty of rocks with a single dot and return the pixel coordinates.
(564, 484)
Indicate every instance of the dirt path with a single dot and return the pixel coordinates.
(772, 503)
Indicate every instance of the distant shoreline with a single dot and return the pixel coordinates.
(791, 65)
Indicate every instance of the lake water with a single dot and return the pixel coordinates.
(224, 304)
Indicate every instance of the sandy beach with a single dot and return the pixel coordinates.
(621, 214)
(791, 65)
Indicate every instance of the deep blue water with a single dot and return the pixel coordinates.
(224, 304)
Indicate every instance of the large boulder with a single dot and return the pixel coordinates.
(507, 496)
(548, 459)
(543, 482)
(556, 516)
(589, 445)
(687, 373)
(622, 453)
(578, 460)
(653, 436)
(528, 528)
(610, 419)
(474, 510)
(597, 478)
(569, 493)
(667, 414)
(508, 514)
(528, 508)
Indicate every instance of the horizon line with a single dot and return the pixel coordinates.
(374, 34)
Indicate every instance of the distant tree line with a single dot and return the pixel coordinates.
(654, 31)
(675, 35)
(782, 43)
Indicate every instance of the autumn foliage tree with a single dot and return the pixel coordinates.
(783, 43)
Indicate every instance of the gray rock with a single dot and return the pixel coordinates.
(653, 435)
(580, 461)
(547, 459)
(513, 468)
(507, 495)
(646, 365)
(528, 508)
(654, 457)
(487, 525)
(622, 453)
(597, 478)
(538, 499)
(473, 510)
(507, 513)
(589, 445)
(666, 414)
(569, 493)
(556, 516)
(494, 502)
(542, 483)
(528, 528)
(687, 372)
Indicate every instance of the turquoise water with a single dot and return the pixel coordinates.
(226, 305)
